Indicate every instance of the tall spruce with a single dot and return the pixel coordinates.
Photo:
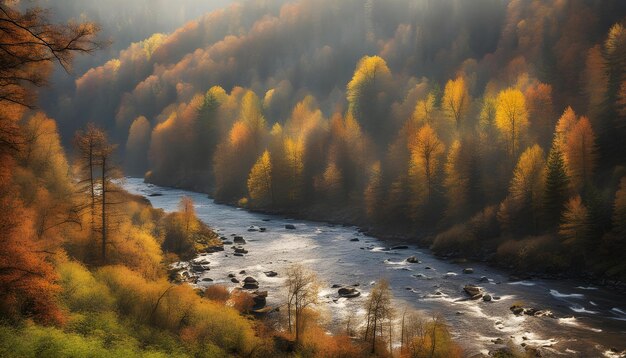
(556, 188)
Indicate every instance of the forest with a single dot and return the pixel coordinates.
(487, 130)
(499, 136)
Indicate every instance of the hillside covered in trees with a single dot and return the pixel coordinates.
(487, 127)
(484, 129)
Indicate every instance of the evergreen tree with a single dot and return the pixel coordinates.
(557, 181)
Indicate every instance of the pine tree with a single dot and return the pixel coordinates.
(556, 187)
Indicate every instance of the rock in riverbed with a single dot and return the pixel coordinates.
(468, 270)
(348, 292)
(412, 260)
(240, 250)
(290, 227)
(270, 274)
(400, 247)
(249, 283)
(474, 291)
(239, 240)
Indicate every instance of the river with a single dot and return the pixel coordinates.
(589, 320)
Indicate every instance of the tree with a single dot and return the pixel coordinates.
(556, 185)
(89, 143)
(108, 173)
(30, 44)
(97, 173)
(580, 153)
(294, 152)
(564, 125)
(527, 185)
(260, 180)
(368, 96)
(374, 191)
(456, 100)
(511, 118)
(423, 112)
(455, 182)
(378, 312)
(574, 228)
(302, 293)
(425, 161)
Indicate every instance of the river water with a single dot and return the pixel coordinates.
(589, 320)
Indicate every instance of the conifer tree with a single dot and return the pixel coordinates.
(556, 186)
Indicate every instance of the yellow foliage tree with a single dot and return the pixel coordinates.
(294, 152)
(425, 162)
(423, 113)
(455, 182)
(511, 118)
(456, 100)
(529, 179)
(260, 180)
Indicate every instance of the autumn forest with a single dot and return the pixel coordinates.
(489, 133)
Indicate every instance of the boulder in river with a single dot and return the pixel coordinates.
(252, 229)
(262, 229)
(468, 270)
(474, 291)
(238, 254)
(240, 250)
(290, 227)
(517, 309)
(234, 280)
(250, 286)
(249, 283)
(348, 292)
(206, 279)
(354, 239)
(487, 298)
(242, 272)
(239, 240)
(400, 247)
(483, 279)
(412, 260)
(270, 274)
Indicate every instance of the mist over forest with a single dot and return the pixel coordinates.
(485, 130)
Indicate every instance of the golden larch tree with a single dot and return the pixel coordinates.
(260, 180)
(425, 162)
(423, 112)
(580, 153)
(456, 100)
(511, 118)
(527, 185)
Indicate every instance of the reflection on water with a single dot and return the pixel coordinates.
(432, 285)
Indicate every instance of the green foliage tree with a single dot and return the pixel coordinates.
(556, 187)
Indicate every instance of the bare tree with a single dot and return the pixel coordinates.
(303, 289)
(378, 312)
(97, 172)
